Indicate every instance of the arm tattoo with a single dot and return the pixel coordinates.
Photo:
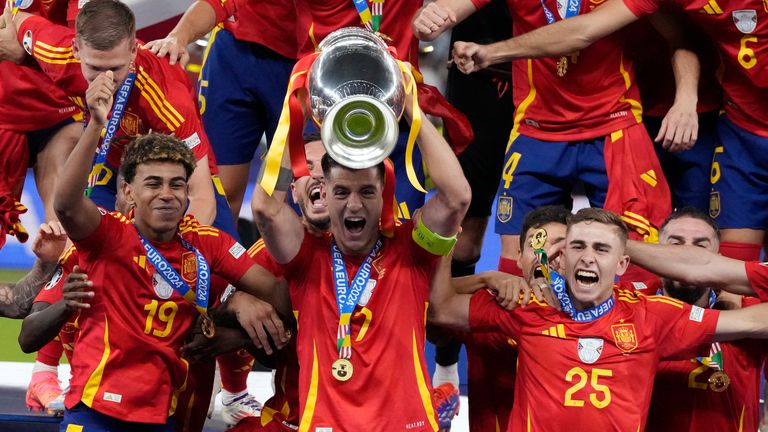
(16, 299)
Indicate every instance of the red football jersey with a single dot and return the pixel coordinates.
(160, 99)
(322, 17)
(387, 334)
(271, 23)
(127, 362)
(595, 97)
(683, 401)
(52, 292)
(757, 273)
(739, 29)
(30, 101)
(281, 411)
(593, 375)
(653, 68)
(491, 373)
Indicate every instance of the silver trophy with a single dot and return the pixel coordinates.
(357, 96)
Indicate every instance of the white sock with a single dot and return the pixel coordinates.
(42, 367)
(446, 374)
(227, 397)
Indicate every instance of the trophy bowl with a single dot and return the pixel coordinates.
(357, 96)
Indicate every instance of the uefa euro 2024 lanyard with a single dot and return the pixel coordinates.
(371, 17)
(557, 282)
(200, 297)
(572, 8)
(121, 101)
(346, 300)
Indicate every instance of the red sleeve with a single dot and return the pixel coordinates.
(682, 331)
(53, 290)
(642, 7)
(230, 258)
(302, 258)
(485, 314)
(51, 46)
(222, 8)
(419, 252)
(261, 256)
(110, 227)
(757, 275)
(480, 3)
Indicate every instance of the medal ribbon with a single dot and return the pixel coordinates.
(571, 10)
(121, 100)
(346, 298)
(164, 268)
(14, 9)
(370, 17)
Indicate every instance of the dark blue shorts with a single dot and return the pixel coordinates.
(688, 172)
(538, 173)
(241, 90)
(739, 178)
(83, 419)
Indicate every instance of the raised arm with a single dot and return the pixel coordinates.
(77, 213)
(442, 214)
(560, 38)
(447, 308)
(749, 322)
(680, 127)
(202, 201)
(199, 19)
(436, 17)
(692, 265)
(278, 224)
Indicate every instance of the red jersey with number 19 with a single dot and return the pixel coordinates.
(593, 375)
(387, 334)
(739, 28)
(127, 363)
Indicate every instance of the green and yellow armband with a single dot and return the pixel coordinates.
(432, 242)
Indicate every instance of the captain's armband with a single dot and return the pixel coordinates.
(432, 242)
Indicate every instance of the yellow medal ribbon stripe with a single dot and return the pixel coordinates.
(277, 148)
(410, 86)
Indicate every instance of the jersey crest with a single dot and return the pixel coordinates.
(625, 337)
(504, 209)
(130, 123)
(590, 349)
(188, 267)
(745, 20)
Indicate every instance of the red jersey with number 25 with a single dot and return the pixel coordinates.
(128, 362)
(593, 375)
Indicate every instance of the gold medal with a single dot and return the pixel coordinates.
(342, 369)
(208, 327)
(539, 239)
(562, 66)
(719, 381)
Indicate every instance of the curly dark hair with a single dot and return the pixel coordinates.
(156, 147)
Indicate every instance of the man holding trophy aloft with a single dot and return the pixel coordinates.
(360, 292)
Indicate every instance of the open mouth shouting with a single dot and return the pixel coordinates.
(314, 196)
(354, 224)
(587, 278)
